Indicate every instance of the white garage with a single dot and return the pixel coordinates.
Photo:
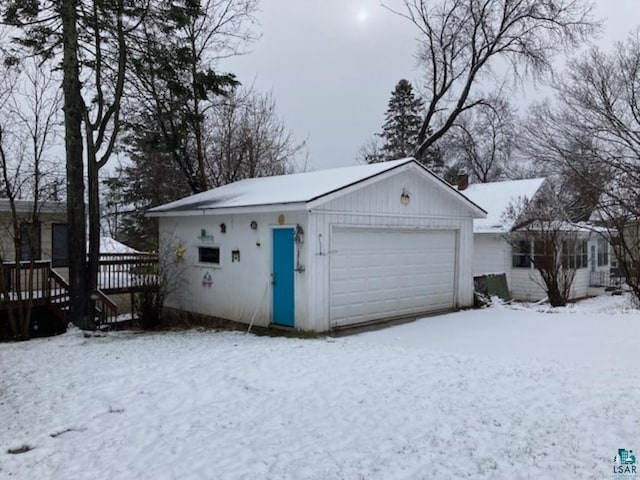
(323, 250)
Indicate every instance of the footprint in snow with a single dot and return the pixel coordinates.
(67, 430)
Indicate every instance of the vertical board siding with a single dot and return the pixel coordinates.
(492, 254)
(427, 198)
(239, 289)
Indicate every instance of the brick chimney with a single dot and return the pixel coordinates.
(463, 181)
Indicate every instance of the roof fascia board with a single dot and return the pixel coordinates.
(26, 206)
(497, 231)
(279, 207)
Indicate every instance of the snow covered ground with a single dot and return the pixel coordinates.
(501, 393)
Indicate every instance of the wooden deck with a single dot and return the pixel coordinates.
(41, 285)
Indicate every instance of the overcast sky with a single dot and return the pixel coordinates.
(332, 64)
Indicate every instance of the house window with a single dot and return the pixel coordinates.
(575, 254)
(603, 252)
(582, 254)
(521, 254)
(544, 254)
(30, 245)
(210, 255)
(59, 245)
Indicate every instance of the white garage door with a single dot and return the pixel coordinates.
(378, 274)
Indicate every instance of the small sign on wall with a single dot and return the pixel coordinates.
(207, 280)
(204, 238)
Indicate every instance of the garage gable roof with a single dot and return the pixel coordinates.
(297, 188)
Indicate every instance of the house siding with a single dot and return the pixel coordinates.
(7, 251)
(492, 254)
(526, 285)
(580, 286)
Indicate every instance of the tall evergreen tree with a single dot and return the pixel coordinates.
(175, 79)
(150, 179)
(401, 128)
(402, 122)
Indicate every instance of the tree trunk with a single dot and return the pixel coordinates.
(94, 222)
(79, 306)
(556, 299)
(5, 279)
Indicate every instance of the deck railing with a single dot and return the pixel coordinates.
(126, 272)
(106, 310)
(23, 281)
(58, 294)
(118, 273)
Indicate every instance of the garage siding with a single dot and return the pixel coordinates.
(379, 206)
(241, 290)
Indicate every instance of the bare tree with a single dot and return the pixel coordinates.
(482, 140)
(400, 130)
(591, 134)
(543, 236)
(462, 41)
(108, 28)
(371, 151)
(571, 164)
(247, 139)
(29, 108)
(167, 278)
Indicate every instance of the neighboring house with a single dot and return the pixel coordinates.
(50, 232)
(323, 250)
(494, 253)
(45, 281)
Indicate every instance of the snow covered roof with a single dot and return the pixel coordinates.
(109, 245)
(496, 197)
(298, 188)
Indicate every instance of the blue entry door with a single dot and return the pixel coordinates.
(283, 276)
